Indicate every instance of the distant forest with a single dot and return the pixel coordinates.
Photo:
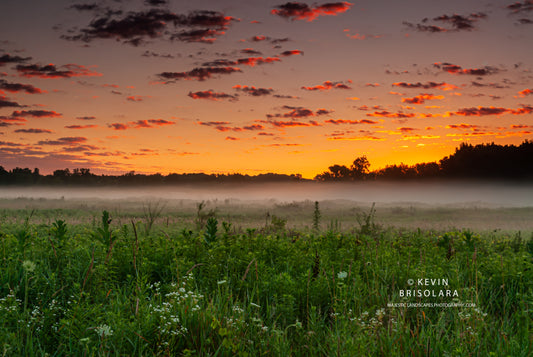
(484, 161)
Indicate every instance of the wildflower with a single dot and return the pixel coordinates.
(29, 266)
(104, 330)
(342, 275)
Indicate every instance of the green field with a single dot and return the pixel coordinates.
(226, 278)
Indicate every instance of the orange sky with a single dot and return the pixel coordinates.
(255, 87)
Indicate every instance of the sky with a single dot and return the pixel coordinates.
(249, 86)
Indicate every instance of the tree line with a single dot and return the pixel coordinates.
(484, 161)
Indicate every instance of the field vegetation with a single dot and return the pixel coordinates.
(154, 280)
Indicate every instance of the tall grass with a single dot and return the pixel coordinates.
(105, 290)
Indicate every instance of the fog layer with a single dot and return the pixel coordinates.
(492, 194)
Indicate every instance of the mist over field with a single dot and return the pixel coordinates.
(432, 193)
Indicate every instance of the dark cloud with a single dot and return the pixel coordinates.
(52, 71)
(81, 148)
(7, 58)
(387, 114)
(282, 96)
(118, 126)
(203, 35)
(35, 114)
(86, 118)
(289, 124)
(213, 123)
(525, 21)
(251, 51)
(5, 103)
(211, 95)
(299, 112)
(34, 131)
(427, 85)
(253, 91)
(135, 28)
(248, 61)
(155, 54)
(85, 7)
(69, 140)
(344, 121)
(491, 85)
(277, 41)
(155, 2)
(327, 85)
(19, 87)
(81, 126)
(455, 69)
(302, 11)
(150, 123)
(482, 111)
(198, 74)
(517, 7)
(455, 23)
(291, 53)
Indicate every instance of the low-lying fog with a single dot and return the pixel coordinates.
(489, 194)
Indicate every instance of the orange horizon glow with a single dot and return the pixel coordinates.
(281, 87)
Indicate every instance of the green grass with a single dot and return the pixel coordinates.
(162, 284)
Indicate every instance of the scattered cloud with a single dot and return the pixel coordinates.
(86, 118)
(299, 112)
(253, 91)
(455, 69)
(387, 114)
(158, 55)
(69, 140)
(19, 87)
(291, 124)
(134, 28)
(34, 131)
(259, 38)
(136, 98)
(525, 92)
(464, 126)
(428, 85)
(212, 95)
(291, 53)
(421, 99)
(7, 58)
(36, 113)
(198, 74)
(302, 11)
(455, 23)
(357, 138)
(81, 126)
(491, 85)
(251, 51)
(6, 103)
(344, 121)
(155, 2)
(327, 85)
(482, 111)
(52, 71)
(359, 36)
(518, 7)
(118, 126)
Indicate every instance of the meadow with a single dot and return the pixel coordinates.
(234, 278)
